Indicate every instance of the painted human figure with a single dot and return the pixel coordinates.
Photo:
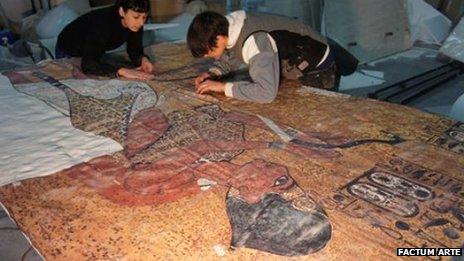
(167, 155)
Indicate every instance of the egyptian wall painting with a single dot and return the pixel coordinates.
(172, 152)
(192, 149)
(186, 160)
(410, 204)
(452, 139)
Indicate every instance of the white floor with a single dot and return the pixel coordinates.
(13, 243)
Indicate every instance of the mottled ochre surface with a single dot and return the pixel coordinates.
(112, 208)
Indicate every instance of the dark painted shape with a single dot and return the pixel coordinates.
(458, 213)
(274, 225)
(418, 174)
(407, 184)
(436, 222)
(456, 188)
(422, 194)
(402, 225)
(395, 140)
(338, 197)
(451, 233)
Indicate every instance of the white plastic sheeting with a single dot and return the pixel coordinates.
(457, 111)
(361, 79)
(426, 23)
(37, 140)
(8, 60)
(369, 29)
(307, 11)
(55, 20)
(390, 27)
(454, 44)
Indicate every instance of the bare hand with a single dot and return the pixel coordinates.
(211, 86)
(135, 74)
(146, 66)
(201, 78)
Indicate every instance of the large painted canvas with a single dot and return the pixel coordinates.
(313, 175)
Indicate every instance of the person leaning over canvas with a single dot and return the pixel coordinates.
(270, 46)
(94, 33)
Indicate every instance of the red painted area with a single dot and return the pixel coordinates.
(147, 126)
(16, 78)
(258, 178)
(176, 171)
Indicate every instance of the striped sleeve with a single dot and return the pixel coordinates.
(260, 53)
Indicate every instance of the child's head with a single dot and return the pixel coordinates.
(134, 13)
(208, 34)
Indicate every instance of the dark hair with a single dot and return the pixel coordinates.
(140, 6)
(203, 30)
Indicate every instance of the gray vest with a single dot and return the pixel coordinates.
(269, 22)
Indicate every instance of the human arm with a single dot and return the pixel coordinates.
(260, 52)
(145, 68)
(136, 54)
(264, 72)
(134, 74)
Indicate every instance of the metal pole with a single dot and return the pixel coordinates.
(34, 9)
(376, 93)
(3, 17)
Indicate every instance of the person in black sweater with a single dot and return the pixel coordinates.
(94, 33)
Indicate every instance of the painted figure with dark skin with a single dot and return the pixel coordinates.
(172, 154)
(183, 147)
(166, 156)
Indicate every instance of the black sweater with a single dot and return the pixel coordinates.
(94, 33)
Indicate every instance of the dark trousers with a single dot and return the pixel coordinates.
(325, 76)
(59, 53)
(327, 79)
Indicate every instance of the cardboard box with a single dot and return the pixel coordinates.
(217, 6)
(163, 10)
